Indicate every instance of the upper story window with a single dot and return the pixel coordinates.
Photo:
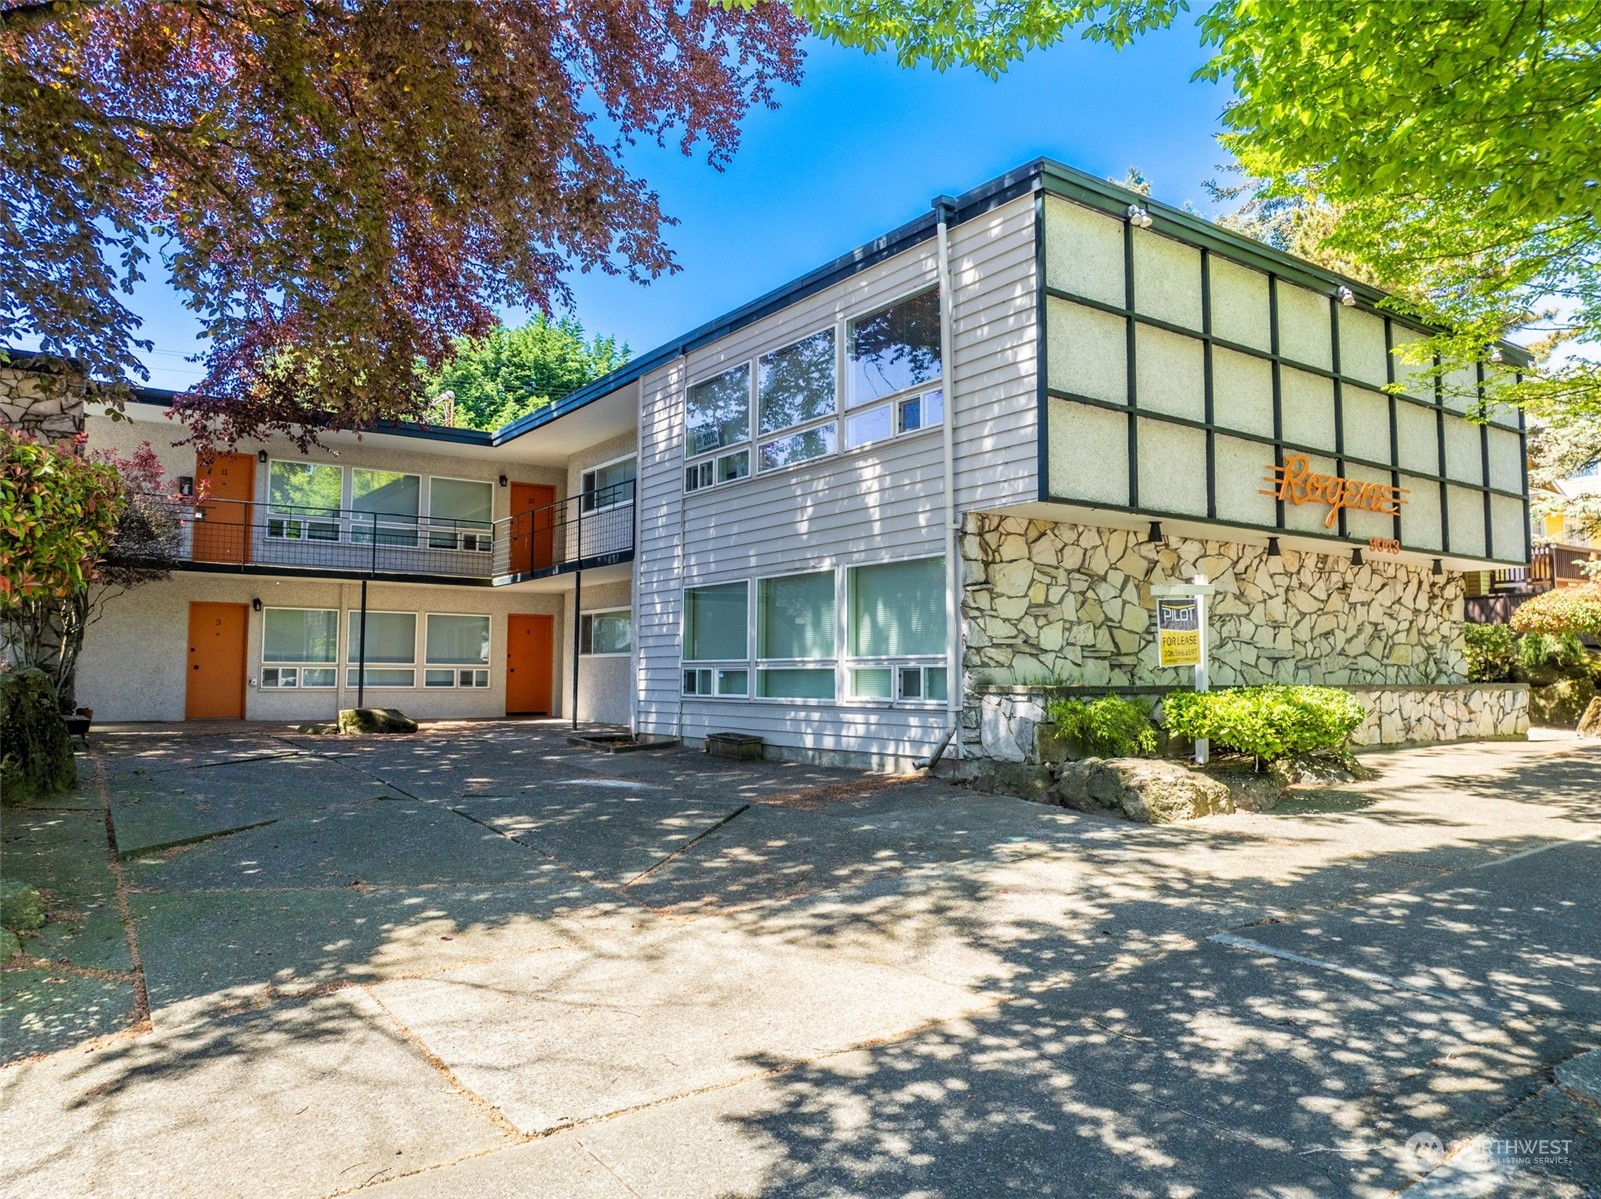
(791, 404)
(894, 349)
(304, 499)
(609, 484)
(461, 514)
(384, 505)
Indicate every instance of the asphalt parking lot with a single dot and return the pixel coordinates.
(480, 961)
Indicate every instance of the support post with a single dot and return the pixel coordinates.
(578, 624)
(361, 652)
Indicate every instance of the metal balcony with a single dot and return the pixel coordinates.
(579, 532)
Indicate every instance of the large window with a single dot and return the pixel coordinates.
(796, 384)
(609, 485)
(461, 514)
(391, 649)
(456, 653)
(716, 629)
(895, 616)
(384, 504)
(718, 411)
(795, 636)
(299, 647)
(894, 349)
(606, 633)
(303, 500)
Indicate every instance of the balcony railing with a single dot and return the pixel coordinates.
(1553, 564)
(595, 528)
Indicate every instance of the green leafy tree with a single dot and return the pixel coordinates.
(1445, 149)
(511, 372)
(1562, 610)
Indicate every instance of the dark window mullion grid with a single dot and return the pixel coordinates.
(1439, 426)
(1224, 343)
(1339, 404)
(1206, 374)
(1264, 439)
(1132, 324)
(1395, 447)
(1042, 411)
(1278, 384)
(1484, 463)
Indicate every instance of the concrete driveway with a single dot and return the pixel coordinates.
(479, 962)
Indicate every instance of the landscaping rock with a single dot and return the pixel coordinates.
(1590, 722)
(375, 720)
(21, 906)
(1560, 704)
(37, 761)
(1142, 789)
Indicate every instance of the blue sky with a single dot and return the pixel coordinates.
(860, 147)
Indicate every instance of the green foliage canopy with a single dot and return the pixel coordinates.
(1109, 727)
(1562, 610)
(1444, 149)
(511, 372)
(58, 515)
(1266, 722)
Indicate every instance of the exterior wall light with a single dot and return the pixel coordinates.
(1345, 296)
(503, 480)
(1138, 217)
(1496, 355)
(1273, 547)
(255, 604)
(1356, 557)
(261, 457)
(1154, 535)
(1436, 569)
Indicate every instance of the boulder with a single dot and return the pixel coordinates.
(375, 720)
(1590, 722)
(1143, 789)
(21, 906)
(37, 761)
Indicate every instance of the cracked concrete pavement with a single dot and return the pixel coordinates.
(480, 962)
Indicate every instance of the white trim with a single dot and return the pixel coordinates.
(613, 611)
(351, 642)
(848, 388)
(301, 666)
(598, 467)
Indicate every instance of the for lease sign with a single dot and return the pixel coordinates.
(1178, 632)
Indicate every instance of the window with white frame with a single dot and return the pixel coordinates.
(384, 505)
(603, 634)
(717, 419)
(456, 651)
(390, 649)
(894, 349)
(461, 514)
(299, 647)
(608, 485)
(717, 640)
(795, 387)
(795, 636)
(895, 622)
(304, 500)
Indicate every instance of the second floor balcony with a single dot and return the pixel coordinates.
(594, 528)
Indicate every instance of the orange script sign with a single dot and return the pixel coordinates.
(1296, 482)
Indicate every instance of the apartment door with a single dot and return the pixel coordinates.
(222, 532)
(533, 524)
(215, 689)
(530, 664)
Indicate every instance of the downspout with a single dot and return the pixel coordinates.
(945, 211)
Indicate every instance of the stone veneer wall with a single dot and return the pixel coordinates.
(1071, 604)
(48, 406)
(1000, 723)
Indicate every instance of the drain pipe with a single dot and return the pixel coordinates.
(945, 212)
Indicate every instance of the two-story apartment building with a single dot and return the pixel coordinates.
(949, 464)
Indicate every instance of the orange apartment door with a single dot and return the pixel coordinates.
(530, 664)
(532, 527)
(216, 666)
(222, 534)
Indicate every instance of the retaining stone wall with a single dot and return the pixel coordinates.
(51, 407)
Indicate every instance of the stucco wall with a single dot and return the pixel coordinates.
(605, 684)
(134, 659)
(1045, 601)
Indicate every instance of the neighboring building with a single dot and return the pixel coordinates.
(878, 503)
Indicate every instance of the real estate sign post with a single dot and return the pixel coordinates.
(1181, 634)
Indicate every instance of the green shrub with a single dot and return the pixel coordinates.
(1109, 727)
(1492, 652)
(1562, 610)
(1551, 649)
(1266, 722)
